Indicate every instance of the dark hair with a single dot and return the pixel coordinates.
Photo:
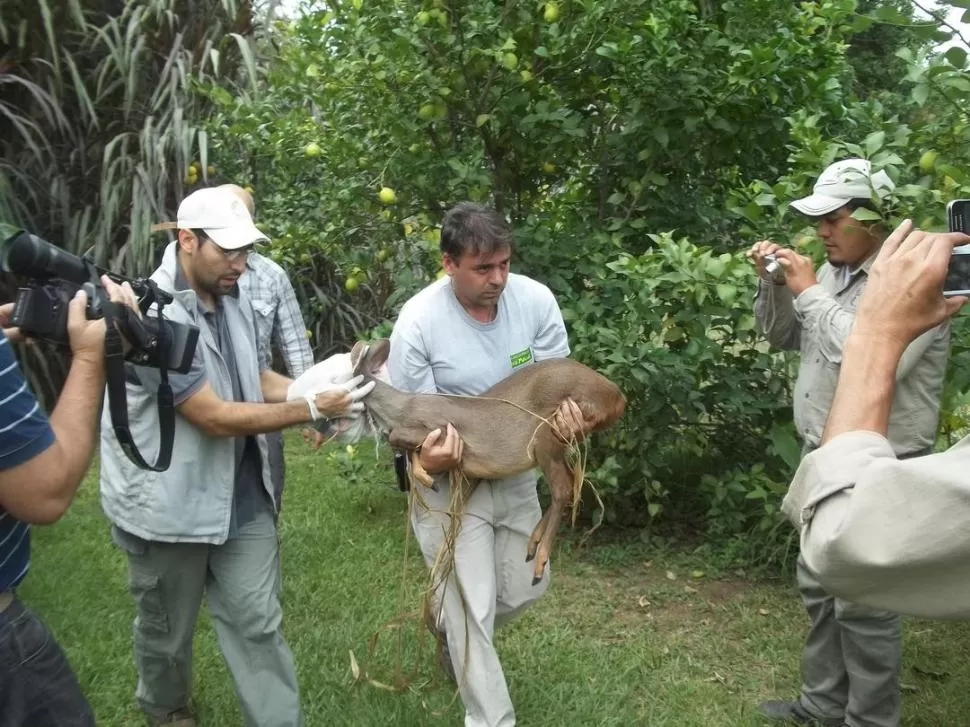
(475, 228)
(199, 234)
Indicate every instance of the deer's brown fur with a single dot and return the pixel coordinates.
(505, 429)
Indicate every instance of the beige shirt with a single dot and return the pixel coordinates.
(818, 323)
(887, 533)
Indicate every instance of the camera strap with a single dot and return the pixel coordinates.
(117, 392)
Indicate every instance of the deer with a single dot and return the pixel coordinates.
(506, 430)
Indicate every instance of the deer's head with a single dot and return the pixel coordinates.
(369, 360)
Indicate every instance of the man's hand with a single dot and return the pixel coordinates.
(87, 337)
(903, 296)
(13, 334)
(344, 399)
(757, 255)
(799, 270)
(441, 452)
(568, 422)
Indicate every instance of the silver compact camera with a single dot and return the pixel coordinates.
(774, 269)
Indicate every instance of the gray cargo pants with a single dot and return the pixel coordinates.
(241, 579)
(852, 657)
(851, 660)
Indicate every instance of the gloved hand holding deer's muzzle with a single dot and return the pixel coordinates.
(330, 389)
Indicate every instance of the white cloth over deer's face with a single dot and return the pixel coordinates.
(336, 369)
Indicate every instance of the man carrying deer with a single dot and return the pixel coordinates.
(461, 335)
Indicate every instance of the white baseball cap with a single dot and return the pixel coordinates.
(221, 215)
(842, 182)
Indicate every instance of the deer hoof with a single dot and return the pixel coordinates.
(529, 557)
(536, 580)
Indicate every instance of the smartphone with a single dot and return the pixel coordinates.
(958, 273)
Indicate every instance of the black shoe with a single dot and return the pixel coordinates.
(780, 709)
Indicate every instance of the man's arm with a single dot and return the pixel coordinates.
(274, 386)
(408, 363)
(409, 366)
(774, 308)
(825, 316)
(551, 340)
(886, 533)
(40, 489)
(220, 418)
(50, 464)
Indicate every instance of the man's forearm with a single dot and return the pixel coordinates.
(867, 379)
(75, 424)
(274, 385)
(241, 419)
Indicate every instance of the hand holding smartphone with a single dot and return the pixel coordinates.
(958, 273)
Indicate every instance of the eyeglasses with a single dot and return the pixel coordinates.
(232, 255)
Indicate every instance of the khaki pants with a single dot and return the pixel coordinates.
(494, 580)
(241, 579)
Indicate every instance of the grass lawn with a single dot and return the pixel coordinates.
(627, 635)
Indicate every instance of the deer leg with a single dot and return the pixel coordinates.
(418, 472)
(544, 535)
(536, 536)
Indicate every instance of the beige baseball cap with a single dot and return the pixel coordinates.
(842, 182)
(221, 214)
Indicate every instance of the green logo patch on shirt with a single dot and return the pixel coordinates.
(522, 357)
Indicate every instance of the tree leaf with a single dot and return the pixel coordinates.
(956, 57)
(921, 92)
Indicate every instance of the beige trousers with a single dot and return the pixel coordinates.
(491, 582)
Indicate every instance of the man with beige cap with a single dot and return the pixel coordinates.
(851, 660)
(207, 524)
(279, 322)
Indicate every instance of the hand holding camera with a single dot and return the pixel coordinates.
(763, 255)
(55, 276)
(903, 296)
(781, 265)
(87, 336)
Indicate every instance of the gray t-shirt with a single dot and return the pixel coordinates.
(436, 346)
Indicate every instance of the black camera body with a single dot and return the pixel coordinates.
(53, 279)
(40, 309)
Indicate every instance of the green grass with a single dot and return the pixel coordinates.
(626, 635)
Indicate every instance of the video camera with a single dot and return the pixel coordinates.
(53, 278)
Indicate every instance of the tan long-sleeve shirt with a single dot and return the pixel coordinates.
(818, 323)
(888, 533)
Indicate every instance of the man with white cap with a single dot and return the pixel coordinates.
(852, 655)
(207, 525)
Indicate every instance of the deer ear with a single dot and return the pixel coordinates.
(358, 355)
(377, 355)
(369, 357)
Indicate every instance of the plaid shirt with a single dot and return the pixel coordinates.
(277, 313)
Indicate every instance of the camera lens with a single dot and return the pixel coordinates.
(26, 254)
